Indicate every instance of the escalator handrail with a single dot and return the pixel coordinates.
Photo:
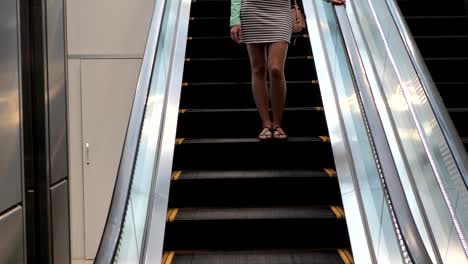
(115, 218)
(411, 244)
(435, 100)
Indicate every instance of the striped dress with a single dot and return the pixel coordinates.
(266, 21)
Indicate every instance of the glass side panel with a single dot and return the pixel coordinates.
(132, 237)
(375, 209)
(433, 184)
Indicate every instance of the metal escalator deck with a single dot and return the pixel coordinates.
(232, 198)
(441, 33)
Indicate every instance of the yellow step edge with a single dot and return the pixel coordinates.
(179, 141)
(183, 111)
(330, 172)
(335, 211)
(350, 257)
(340, 209)
(171, 214)
(176, 175)
(185, 84)
(346, 256)
(168, 257)
(314, 81)
(321, 109)
(325, 138)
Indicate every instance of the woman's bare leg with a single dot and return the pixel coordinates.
(257, 55)
(277, 53)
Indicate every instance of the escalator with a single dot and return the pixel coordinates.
(206, 190)
(232, 198)
(441, 33)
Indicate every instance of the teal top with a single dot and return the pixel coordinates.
(235, 12)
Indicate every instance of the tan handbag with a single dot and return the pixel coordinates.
(298, 18)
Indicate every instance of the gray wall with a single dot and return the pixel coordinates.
(12, 247)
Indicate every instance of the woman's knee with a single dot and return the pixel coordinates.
(259, 69)
(276, 71)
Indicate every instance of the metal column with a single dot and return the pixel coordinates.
(12, 227)
(46, 131)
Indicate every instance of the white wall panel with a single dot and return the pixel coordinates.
(76, 160)
(108, 27)
(108, 88)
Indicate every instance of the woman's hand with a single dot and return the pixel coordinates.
(338, 2)
(236, 34)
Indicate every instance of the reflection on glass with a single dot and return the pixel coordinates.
(440, 196)
(131, 240)
(381, 230)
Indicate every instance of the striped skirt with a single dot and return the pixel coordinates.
(266, 21)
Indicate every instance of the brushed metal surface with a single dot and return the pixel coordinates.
(60, 223)
(11, 239)
(57, 90)
(10, 134)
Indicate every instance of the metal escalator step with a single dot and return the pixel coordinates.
(438, 25)
(259, 188)
(238, 69)
(312, 227)
(219, 26)
(448, 69)
(245, 140)
(208, 175)
(222, 47)
(250, 154)
(197, 123)
(239, 95)
(259, 257)
(454, 94)
(273, 213)
(204, 8)
(443, 46)
(459, 117)
(432, 8)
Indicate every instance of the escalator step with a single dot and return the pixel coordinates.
(202, 214)
(445, 47)
(448, 69)
(239, 95)
(258, 189)
(249, 154)
(459, 117)
(256, 228)
(238, 69)
(454, 94)
(218, 26)
(261, 257)
(204, 8)
(438, 26)
(432, 8)
(222, 47)
(270, 174)
(211, 123)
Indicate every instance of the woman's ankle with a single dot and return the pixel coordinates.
(267, 124)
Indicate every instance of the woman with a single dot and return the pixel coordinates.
(266, 30)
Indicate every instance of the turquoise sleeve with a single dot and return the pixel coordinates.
(235, 12)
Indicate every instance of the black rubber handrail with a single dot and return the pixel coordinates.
(412, 247)
(115, 219)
